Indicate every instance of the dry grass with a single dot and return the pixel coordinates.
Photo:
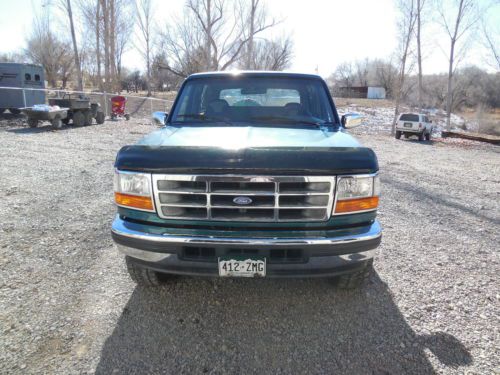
(485, 121)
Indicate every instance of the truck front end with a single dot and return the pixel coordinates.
(252, 176)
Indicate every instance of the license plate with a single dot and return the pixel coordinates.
(408, 125)
(242, 267)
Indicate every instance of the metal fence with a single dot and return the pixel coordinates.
(137, 106)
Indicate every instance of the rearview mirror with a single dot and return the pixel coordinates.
(351, 120)
(160, 118)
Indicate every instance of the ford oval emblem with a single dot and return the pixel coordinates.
(242, 201)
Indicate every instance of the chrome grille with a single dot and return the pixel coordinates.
(273, 199)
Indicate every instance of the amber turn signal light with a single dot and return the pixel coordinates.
(134, 201)
(358, 204)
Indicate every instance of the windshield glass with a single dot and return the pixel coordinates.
(408, 117)
(254, 100)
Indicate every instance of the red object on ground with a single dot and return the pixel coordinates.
(118, 105)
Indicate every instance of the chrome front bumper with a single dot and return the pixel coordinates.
(325, 255)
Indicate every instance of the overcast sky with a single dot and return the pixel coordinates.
(325, 32)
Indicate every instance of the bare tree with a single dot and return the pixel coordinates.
(491, 41)
(183, 43)
(44, 48)
(107, 30)
(105, 11)
(209, 14)
(344, 74)
(66, 5)
(463, 20)
(97, 29)
(13, 57)
(272, 54)
(254, 19)
(92, 23)
(211, 37)
(386, 75)
(420, 7)
(124, 30)
(406, 25)
(144, 16)
(362, 72)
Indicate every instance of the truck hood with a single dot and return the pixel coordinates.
(247, 136)
(247, 150)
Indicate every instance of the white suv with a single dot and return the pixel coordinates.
(414, 124)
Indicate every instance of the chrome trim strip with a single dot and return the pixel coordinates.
(150, 256)
(355, 212)
(119, 228)
(359, 256)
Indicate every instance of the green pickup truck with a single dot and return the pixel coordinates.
(252, 175)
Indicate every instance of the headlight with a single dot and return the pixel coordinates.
(357, 193)
(133, 190)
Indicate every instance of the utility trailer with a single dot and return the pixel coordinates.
(55, 116)
(18, 81)
(80, 110)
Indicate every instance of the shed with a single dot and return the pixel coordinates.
(365, 92)
(23, 76)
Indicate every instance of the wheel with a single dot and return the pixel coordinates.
(14, 111)
(421, 136)
(428, 136)
(356, 279)
(398, 134)
(143, 276)
(32, 123)
(127, 117)
(88, 118)
(57, 123)
(78, 118)
(99, 118)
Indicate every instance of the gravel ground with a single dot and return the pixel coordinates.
(67, 305)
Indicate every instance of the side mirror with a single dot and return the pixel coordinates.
(351, 120)
(160, 118)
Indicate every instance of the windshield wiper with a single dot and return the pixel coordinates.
(202, 117)
(287, 120)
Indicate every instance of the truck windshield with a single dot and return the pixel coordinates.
(254, 100)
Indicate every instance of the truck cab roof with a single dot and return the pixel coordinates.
(252, 73)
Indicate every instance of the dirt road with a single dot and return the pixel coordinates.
(68, 306)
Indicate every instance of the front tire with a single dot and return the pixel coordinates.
(32, 123)
(356, 279)
(398, 134)
(57, 123)
(421, 136)
(78, 118)
(88, 118)
(143, 276)
(99, 118)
